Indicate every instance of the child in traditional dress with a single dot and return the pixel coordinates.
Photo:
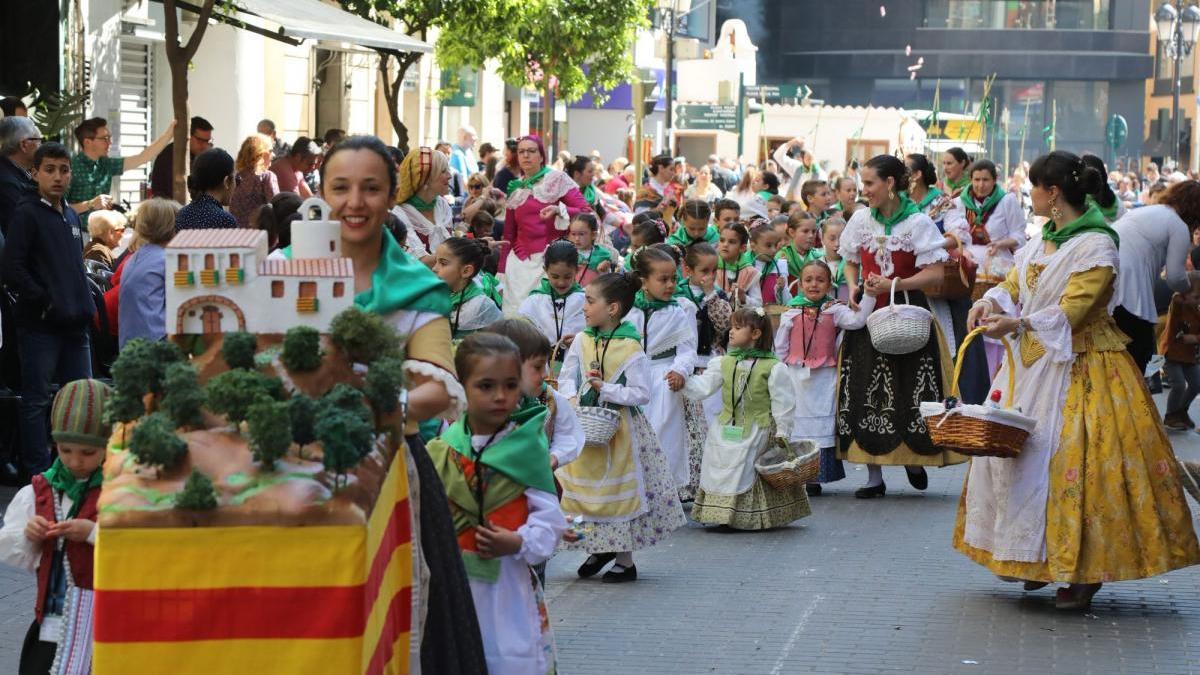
(50, 529)
(555, 306)
(735, 265)
(831, 238)
(801, 247)
(647, 231)
(770, 284)
(725, 212)
(622, 489)
(807, 342)
(754, 425)
(457, 261)
(594, 258)
(493, 463)
(818, 199)
(695, 227)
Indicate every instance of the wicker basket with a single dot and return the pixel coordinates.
(791, 473)
(774, 314)
(899, 329)
(958, 276)
(977, 430)
(552, 374)
(983, 284)
(599, 424)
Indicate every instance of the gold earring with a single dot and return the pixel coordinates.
(1055, 212)
(891, 195)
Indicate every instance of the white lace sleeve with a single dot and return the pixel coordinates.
(1053, 330)
(851, 236)
(928, 243)
(849, 319)
(636, 390)
(955, 222)
(563, 219)
(458, 397)
(1014, 217)
(1003, 300)
(783, 399)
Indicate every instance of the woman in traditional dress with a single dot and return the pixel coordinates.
(955, 162)
(1094, 495)
(540, 206)
(878, 415)
(421, 204)
(358, 180)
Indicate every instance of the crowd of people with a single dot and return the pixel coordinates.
(620, 346)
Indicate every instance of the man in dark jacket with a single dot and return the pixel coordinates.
(19, 139)
(43, 266)
(162, 174)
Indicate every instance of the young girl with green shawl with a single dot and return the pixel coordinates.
(495, 464)
(457, 262)
(555, 306)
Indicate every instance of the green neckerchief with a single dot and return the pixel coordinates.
(643, 303)
(60, 478)
(681, 237)
(528, 402)
(796, 261)
(746, 260)
(420, 204)
(765, 195)
(837, 206)
(683, 289)
(743, 354)
(544, 288)
(931, 194)
(825, 215)
(400, 281)
(491, 286)
(1109, 213)
(968, 200)
(470, 291)
(522, 455)
(589, 193)
(963, 181)
(597, 255)
(801, 301)
(623, 331)
(906, 209)
(518, 183)
(1091, 221)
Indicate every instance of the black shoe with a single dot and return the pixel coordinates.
(614, 577)
(813, 489)
(918, 479)
(871, 492)
(595, 563)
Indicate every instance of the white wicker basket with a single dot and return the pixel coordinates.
(599, 424)
(784, 474)
(899, 329)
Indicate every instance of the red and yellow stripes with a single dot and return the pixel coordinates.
(259, 599)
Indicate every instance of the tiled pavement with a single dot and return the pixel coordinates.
(858, 587)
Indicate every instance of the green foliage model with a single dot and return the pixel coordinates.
(301, 349)
(233, 392)
(124, 408)
(302, 411)
(270, 430)
(384, 382)
(346, 398)
(363, 337)
(141, 367)
(184, 396)
(154, 443)
(198, 493)
(345, 440)
(238, 349)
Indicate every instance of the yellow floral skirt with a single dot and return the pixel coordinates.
(1115, 508)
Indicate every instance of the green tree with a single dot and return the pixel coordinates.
(301, 349)
(345, 398)
(384, 382)
(184, 396)
(141, 366)
(123, 408)
(198, 493)
(548, 43)
(303, 412)
(363, 337)
(233, 392)
(238, 349)
(270, 431)
(345, 439)
(154, 443)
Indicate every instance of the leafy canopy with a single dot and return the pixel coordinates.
(198, 493)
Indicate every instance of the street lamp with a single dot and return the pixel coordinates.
(1177, 31)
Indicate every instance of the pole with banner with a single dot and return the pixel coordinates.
(741, 118)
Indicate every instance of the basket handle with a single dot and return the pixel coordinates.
(892, 296)
(1008, 356)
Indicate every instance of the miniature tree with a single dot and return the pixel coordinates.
(233, 392)
(123, 407)
(184, 397)
(347, 398)
(238, 349)
(301, 349)
(141, 367)
(270, 430)
(154, 443)
(198, 493)
(384, 382)
(363, 337)
(345, 439)
(303, 411)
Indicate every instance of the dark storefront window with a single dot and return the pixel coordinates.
(993, 14)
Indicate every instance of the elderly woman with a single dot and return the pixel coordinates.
(106, 229)
(256, 183)
(421, 204)
(142, 301)
(540, 207)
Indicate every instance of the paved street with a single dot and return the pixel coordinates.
(859, 587)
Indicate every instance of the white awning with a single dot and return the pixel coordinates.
(314, 20)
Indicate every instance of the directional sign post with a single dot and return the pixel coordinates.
(695, 116)
(773, 93)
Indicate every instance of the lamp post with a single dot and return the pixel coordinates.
(1177, 28)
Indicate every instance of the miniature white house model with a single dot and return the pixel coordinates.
(222, 280)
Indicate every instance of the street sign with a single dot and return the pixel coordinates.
(459, 87)
(695, 116)
(772, 93)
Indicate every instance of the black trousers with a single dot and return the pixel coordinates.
(36, 656)
(1141, 332)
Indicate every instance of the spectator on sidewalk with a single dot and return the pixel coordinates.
(43, 267)
(142, 304)
(278, 148)
(106, 229)
(508, 172)
(19, 140)
(212, 183)
(92, 170)
(463, 159)
(11, 106)
(256, 183)
(291, 169)
(162, 176)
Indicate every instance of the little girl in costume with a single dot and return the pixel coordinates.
(493, 462)
(623, 489)
(755, 420)
(808, 342)
(50, 529)
(647, 231)
(555, 306)
(771, 280)
(668, 330)
(831, 238)
(801, 247)
(457, 262)
(594, 258)
(735, 265)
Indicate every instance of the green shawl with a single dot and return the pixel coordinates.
(742, 263)
(741, 354)
(518, 183)
(931, 194)
(623, 331)
(968, 200)
(60, 478)
(801, 301)
(796, 261)
(1110, 213)
(906, 209)
(597, 255)
(680, 236)
(643, 303)
(544, 288)
(962, 182)
(1091, 221)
